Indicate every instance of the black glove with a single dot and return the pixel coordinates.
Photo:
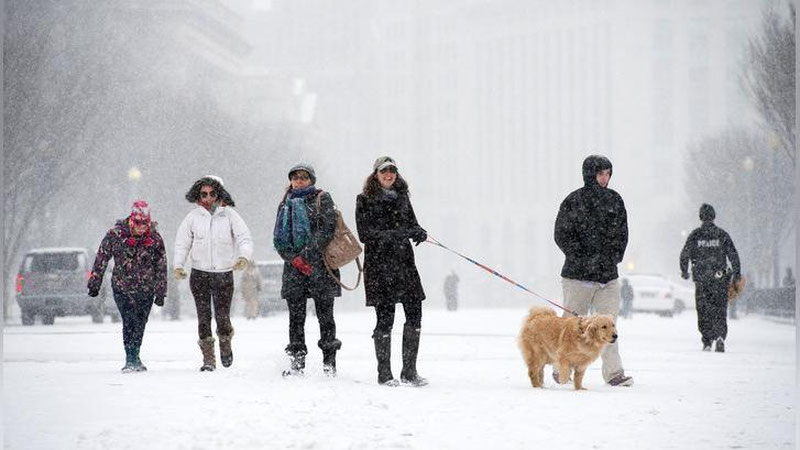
(419, 236)
(685, 275)
(94, 292)
(159, 300)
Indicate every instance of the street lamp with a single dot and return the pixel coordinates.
(747, 164)
(134, 176)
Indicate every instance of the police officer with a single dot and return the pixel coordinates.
(710, 249)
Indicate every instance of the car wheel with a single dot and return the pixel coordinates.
(48, 318)
(28, 317)
(679, 307)
(115, 317)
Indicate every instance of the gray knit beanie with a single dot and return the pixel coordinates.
(306, 167)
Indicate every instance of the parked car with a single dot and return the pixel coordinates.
(271, 274)
(52, 282)
(683, 291)
(655, 294)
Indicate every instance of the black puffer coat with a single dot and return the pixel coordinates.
(319, 284)
(592, 228)
(709, 248)
(384, 224)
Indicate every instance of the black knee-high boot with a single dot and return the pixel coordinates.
(383, 353)
(410, 349)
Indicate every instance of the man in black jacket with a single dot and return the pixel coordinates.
(592, 231)
(710, 248)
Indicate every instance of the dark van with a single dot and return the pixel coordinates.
(271, 273)
(52, 282)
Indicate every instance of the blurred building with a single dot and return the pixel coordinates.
(491, 106)
(171, 91)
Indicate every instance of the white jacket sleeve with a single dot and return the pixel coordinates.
(241, 235)
(183, 242)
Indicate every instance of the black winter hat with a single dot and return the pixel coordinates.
(594, 164)
(306, 167)
(707, 213)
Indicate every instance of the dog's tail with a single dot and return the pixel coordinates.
(540, 311)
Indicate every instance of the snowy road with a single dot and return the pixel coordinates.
(62, 389)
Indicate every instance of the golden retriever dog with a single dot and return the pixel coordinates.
(565, 342)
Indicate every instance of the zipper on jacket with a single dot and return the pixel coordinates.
(211, 241)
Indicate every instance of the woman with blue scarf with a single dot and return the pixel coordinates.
(303, 229)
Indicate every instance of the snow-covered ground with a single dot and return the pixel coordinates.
(63, 389)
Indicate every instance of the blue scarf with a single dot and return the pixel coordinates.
(292, 226)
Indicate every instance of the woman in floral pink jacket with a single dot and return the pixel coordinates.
(139, 278)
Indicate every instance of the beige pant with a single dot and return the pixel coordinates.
(251, 306)
(584, 297)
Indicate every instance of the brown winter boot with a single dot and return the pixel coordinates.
(209, 360)
(225, 350)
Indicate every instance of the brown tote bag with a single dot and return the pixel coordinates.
(342, 250)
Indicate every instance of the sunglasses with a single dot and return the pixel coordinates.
(300, 177)
(390, 169)
(204, 194)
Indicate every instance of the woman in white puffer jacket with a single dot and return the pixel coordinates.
(213, 240)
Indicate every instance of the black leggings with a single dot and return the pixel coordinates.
(134, 307)
(385, 314)
(297, 321)
(216, 286)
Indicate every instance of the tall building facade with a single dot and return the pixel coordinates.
(491, 106)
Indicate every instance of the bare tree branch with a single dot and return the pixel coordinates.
(770, 76)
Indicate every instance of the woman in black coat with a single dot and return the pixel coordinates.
(385, 221)
(304, 227)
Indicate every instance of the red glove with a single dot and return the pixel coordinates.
(300, 264)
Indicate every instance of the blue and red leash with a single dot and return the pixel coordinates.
(498, 274)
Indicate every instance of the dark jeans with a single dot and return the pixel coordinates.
(711, 300)
(216, 288)
(385, 314)
(134, 307)
(297, 322)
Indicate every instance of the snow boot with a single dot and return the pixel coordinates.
(409, 374)
(383, 353)
(297, 360)
(329, 350)
(225, 350)
(209, 360)
(720, 346)
(130, 360)
(137, 363)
